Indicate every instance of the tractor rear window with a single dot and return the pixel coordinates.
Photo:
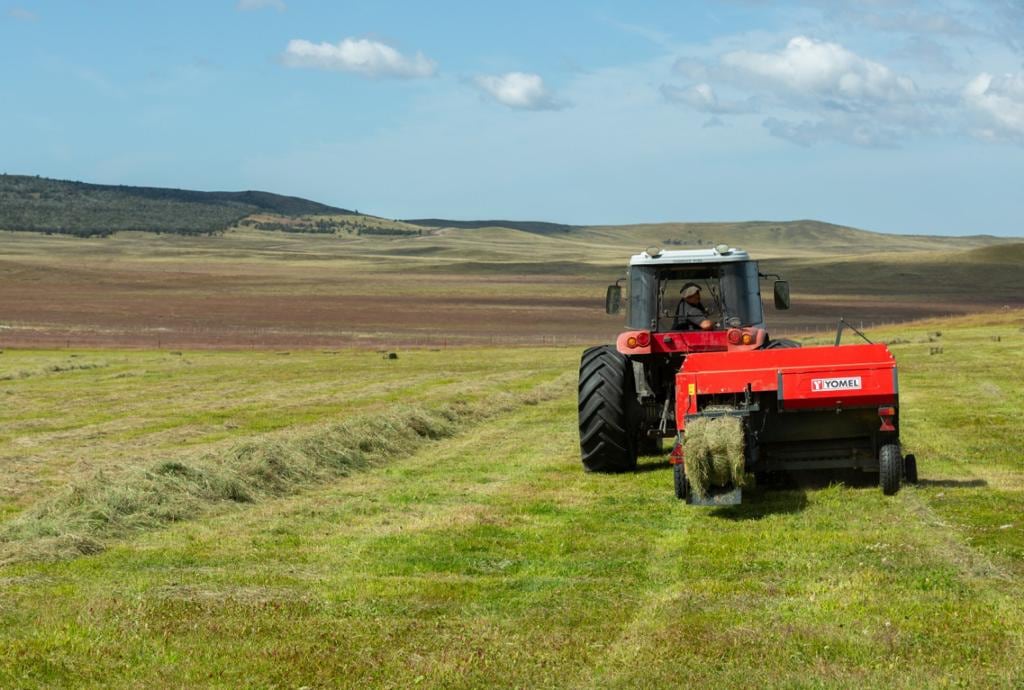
(742, 293)
(729, 295)
(643, 298)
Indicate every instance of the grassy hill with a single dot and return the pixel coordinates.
(76, 208)
(767, 238)
(538, 227)
(39, 204)
(779, 238)
(1011, 253)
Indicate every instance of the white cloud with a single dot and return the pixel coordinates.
(22, 14)
(999, 101)
(703, 97)
(518, 90)
(811, 91)
(251, 5)
(358, 55)
(824, 71)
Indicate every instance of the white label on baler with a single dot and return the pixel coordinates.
(846, 383)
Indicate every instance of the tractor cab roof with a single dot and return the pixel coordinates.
(723, 253)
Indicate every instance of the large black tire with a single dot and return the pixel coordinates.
(607, 411)
(910, 469)
(681, 482)
(890, 468)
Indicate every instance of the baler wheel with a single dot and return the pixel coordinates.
(910, 469)
(607, 414)
(890, 468)
(681, 482)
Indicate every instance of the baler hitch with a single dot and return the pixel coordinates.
(843, 323)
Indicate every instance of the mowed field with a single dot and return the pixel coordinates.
(320, 519)
(251, 289)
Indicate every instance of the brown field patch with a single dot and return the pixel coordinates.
(270, 291)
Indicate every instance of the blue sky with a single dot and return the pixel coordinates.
(897, 116)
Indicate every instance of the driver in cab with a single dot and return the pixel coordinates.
(691, 314)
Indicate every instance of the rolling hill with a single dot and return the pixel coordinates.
(39, 204)
(534, 226)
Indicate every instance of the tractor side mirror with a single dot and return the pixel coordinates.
(613, 299)
(781, 294)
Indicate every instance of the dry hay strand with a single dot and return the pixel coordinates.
(713, 452)
(82, 519)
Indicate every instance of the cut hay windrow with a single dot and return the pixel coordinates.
(714, 454)
(90, 513)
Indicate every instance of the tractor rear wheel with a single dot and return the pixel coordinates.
(910, 469)
(607, 407)
(681, 482)
(890, 468)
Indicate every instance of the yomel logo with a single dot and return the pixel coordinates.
(846, 383)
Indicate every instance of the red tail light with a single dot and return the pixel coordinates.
(886, 414)
(643, 339)
(734, 336)
(676, 458)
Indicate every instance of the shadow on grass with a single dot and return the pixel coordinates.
(856, 479)
(761, 502)
(653, 466)
(953, 483)
(821, 479)
(784, 493)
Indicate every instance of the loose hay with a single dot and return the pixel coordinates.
(713, 449)
(83, 519)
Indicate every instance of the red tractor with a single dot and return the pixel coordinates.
(697, 348)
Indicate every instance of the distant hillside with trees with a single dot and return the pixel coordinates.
(39, 204)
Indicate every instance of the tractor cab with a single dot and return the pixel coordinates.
(727, 281)
(730, 300)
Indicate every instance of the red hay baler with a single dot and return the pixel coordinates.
(687, 357)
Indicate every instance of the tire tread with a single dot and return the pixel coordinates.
(890, 468)
(605, 387)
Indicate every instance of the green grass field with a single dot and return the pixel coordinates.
(473, 550)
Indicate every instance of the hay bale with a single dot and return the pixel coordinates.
(714, 453)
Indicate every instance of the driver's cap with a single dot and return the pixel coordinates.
(689, 290)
